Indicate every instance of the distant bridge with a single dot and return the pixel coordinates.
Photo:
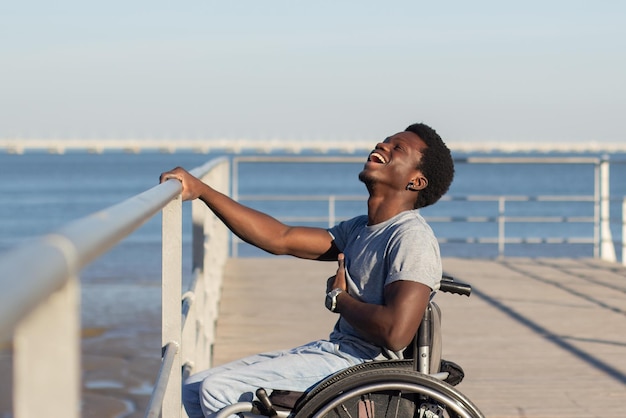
(237, 146)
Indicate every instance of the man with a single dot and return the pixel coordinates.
(388, 264)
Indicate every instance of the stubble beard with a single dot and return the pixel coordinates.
(367, 180)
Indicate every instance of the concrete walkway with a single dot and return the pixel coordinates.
(538, 338)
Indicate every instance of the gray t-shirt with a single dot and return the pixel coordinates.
(401, 248)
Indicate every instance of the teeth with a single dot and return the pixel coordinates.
(378, 157)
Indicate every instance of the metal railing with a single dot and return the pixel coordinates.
(40, 307)
(598, 217)
(188, 330)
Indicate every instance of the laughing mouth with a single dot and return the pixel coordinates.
(377, 158)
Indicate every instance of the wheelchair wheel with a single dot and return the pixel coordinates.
(371, 392)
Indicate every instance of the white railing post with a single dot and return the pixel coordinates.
(607, 248)
(331, 210)
(501, 225)
(210, 251)
(596, 210)
(195, 297)
(215, 255)
(234, 194)
(187, 326)
(171, 313)
(211, 291)
(624, 231)
(46, 362)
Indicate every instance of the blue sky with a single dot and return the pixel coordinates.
(475, 71)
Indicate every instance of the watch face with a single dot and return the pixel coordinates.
(328, 302)
(331, 299)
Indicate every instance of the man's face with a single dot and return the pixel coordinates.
(394, 162)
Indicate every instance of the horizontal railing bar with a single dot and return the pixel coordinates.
(530, 160)
(516, 219)
(473, 198)
(468, 219)
(520, 198)
(531, 240)
(473, 160)
(548, 219)
(477, 219)
(298, 159)
(487, 198)
(509, 240)
(555, 240)
(302, 197)
(200, 171)
(500, 218)
(66, 252)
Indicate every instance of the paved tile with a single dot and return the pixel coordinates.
(538, 337)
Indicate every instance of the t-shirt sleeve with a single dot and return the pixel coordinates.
(342, 232)
(414, 257)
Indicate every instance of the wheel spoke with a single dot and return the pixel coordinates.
(343, 407)
(397, 406)
(392, 393)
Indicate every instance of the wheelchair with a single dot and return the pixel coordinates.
(420, 386)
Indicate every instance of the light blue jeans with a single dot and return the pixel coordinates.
(297, 369)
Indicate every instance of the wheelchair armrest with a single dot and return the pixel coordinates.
(450, 285)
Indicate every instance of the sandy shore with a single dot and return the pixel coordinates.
(118, 371)
(121, 349)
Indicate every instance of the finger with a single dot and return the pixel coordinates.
(340, 266)
(340, 277)
(164, 177)
(172, 174)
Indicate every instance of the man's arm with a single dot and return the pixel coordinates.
(254, 227)
(392, 325)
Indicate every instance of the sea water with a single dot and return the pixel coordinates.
(40, 192)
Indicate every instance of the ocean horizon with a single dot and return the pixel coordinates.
(41, 192)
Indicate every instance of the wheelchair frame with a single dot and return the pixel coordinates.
(421, 386)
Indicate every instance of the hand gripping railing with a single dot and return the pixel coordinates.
(188, 326)
(39, 294)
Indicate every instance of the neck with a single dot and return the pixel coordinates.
(382, 208)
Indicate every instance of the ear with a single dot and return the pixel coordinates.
(419, 182)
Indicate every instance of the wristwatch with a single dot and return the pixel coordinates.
(331, 299)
